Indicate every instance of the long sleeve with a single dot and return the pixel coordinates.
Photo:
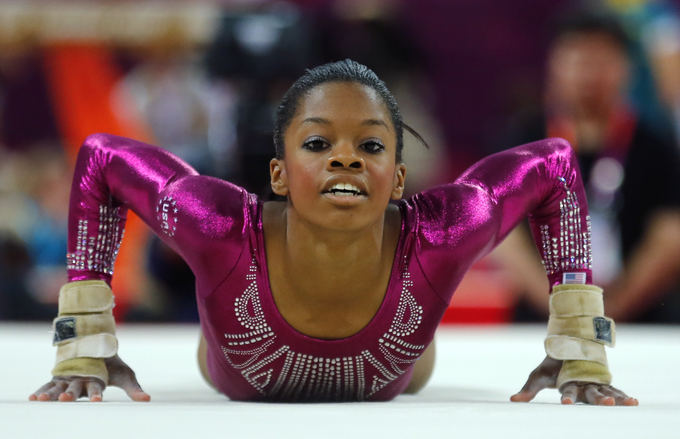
(458, 223)
(200, 217)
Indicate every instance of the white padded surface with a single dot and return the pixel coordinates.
(477, 370)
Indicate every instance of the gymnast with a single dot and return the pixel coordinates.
(335, 293)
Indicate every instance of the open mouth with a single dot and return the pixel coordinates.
(344, 190)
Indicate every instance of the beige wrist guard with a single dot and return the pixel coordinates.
(578, 333)
(84, 331)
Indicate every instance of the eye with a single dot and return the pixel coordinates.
(315, 144)
(373, 146)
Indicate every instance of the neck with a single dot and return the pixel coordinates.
(322, 263)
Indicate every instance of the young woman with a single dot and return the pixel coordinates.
(335, 293)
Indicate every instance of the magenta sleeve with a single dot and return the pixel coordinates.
(202, 218)
(462, 221)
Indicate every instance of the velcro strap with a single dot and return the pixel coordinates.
(87, 296)
(562, 347)
(588, 371)
(598, 329)
(576, 301)
(82, 367)
(95, 346)
(67, 328)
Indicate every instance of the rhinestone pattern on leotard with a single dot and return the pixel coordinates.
(97, 252)
(307, 377)
(572, 250)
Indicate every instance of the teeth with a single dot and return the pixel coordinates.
(345, 187)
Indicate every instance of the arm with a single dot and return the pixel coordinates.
(199, 217)
(463, 221)
(541, 180)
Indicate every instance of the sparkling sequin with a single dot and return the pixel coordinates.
(97, 252)
(572, 250)
(308, 377)
(166, 214)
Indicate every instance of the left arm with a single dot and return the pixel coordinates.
(461, 222)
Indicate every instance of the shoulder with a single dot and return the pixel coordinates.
(207, 206)
(441, 215)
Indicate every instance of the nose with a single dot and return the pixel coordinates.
(345, 157)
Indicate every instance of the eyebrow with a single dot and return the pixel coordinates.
(320, 120)
(375, 122)
(367, 122)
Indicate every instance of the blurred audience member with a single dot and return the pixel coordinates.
(631, 172)
(16, 300)
(655, 24)
(33, 200)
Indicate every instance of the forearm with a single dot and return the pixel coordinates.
(542, 181)
(111, 175)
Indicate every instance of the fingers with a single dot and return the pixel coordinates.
(620, 397)
(593, 395)
(133, 389)
(569, 393)
(34, 396)
(541, 378)
(72, 392)
(69, 389)
(94, 390)
(53, 392)
(596, 394)
(534, 384)
(121, 375)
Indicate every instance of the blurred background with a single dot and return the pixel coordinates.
(202, 80)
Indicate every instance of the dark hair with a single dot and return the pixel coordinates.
(339, 71)
(588, 21)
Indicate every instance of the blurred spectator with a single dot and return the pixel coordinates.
(655, 87)
(26, 117)
(631, 172)
(33, 200)
(16, 300)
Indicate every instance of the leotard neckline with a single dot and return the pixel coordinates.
(392, 293)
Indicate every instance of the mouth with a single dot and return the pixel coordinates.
(344, 190)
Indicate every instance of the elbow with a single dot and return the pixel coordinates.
(96, 144)
(563, 160)
(93, 150)
(96, 140)
(561, 147)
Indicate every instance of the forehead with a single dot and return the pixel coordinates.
(334, 100)
(594, 41)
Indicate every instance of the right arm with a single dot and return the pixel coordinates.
(199, 217)
(202, 218)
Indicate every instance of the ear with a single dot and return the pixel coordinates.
(399, 181)
(278, 176)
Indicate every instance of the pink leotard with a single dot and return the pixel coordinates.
(253, 353)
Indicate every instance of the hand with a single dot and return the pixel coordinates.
(71, 388)
(545, 377)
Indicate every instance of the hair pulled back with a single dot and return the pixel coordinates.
(339, 71)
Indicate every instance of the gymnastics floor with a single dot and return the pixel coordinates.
(477, 369)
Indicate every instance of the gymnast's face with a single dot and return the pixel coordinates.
(339, 169)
